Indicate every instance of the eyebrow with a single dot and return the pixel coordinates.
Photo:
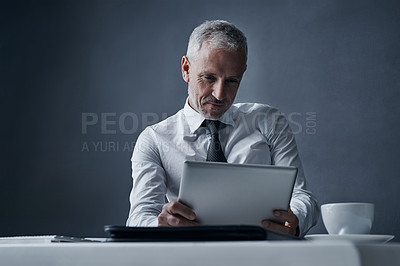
(210, 73)
(206, 73)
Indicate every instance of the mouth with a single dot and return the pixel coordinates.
(216, 104)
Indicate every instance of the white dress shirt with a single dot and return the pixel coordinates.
(253, 133)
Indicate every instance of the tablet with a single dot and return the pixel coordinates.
(235, 194)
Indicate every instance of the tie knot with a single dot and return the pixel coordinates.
(213, 126)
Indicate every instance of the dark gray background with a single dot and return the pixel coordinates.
(331, 66)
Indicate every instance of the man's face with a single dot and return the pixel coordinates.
(213, 79)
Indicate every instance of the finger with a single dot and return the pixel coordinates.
(267, 224)
(167, 219)
(174, 220)
(162, 219)
(178, 208)
(285, 216)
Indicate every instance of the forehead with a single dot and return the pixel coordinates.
(218, 59)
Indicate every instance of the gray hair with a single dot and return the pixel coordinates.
(218, 34)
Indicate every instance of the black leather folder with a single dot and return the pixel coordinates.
(192, 233)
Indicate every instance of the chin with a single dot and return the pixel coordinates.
(213, 115)
(212, 112)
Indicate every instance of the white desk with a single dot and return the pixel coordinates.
(387, 254)
(201, 253)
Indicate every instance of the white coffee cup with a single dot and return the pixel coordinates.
(348, 218)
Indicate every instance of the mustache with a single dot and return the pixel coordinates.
(213, 100)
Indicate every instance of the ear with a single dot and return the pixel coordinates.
(185, 68)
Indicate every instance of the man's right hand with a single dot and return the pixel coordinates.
(176, 213)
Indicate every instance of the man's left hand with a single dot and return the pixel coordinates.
(288, 217)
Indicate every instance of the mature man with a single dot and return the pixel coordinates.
(247, 133)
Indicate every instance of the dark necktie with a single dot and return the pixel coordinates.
(214, 153)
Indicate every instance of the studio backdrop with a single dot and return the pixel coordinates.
(80, 80)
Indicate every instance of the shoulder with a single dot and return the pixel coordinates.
(262, 117)
(149, 138)
(166, 125)
(254, 109)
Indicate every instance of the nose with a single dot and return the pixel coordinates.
(219, 90)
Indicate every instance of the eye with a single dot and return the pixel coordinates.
(209, 77)
(231, 81)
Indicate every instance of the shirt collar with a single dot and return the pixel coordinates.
(195, 119)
